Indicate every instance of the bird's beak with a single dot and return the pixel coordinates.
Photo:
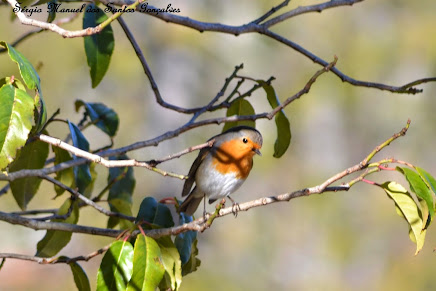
(257, 151)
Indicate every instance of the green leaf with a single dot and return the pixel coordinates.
(409, 210)
(40, 113)
(16, 113)
(27, 71)
(122, 184)
(148, 269)
(32, 156)
(172, 264)
(56, 240)
(240, 107)
(82, 173)
(102, 116)
(98, 47)
(116, 267)
(66, 176)
(11, 80)
(51, 9)
(80, 277)
(282, 122)
(420, 188)
(185, 240)
(431, 182)
(157, 214)
(193, 263)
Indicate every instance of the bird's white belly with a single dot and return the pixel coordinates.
(216, 185)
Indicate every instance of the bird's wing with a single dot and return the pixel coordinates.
(191, 176)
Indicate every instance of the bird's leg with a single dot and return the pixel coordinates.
(235, 207)
(204, 207)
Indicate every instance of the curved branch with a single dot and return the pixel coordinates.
(98, 158)
(203, 223)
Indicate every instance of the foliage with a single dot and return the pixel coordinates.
(136, 260)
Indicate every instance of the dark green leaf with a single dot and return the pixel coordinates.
(282, 122)
(185, 240)
(419, 187)
(116, 267)
(27, 71)
(51, 10)
(98, 47)
(408, 209)
(148, 269)
(56, 240)
(80, 277)
(82, 173)
(40, 113)
(122, 183)
(66, 176)
(154, 213)
(16, 113)
(31, 156)
(172, 264)
(193, 263)
(240, 107)
(102, 116)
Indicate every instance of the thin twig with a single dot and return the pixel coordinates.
(151, 142)
(86, 200)
(46, 261)
(63, 32)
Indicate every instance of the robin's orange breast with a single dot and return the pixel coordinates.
(233, 157)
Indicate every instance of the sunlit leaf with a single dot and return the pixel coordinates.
(148, 269)
(16, 113)
(240, 107)
(116, 267)
(409, 211)
(420, 188)
(98, 47)
(27, 71)
(172, 264)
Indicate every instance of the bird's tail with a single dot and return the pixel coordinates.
(190, 204)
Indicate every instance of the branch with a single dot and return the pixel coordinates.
(63, 32)
(86, 200)
(98, 158)
(204, 222)
(307, 9)
(45, 261)
(36, 31)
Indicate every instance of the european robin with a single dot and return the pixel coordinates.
(221, 169)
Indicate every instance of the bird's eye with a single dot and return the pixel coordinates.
(244, 140)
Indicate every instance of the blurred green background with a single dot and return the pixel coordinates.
(336, 241)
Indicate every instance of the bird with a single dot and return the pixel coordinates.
(219, 170)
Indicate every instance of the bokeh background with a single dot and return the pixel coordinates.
(335, 241)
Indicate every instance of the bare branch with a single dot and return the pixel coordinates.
(181, 153)
(45, 261)
(201, 224)
(307, 9)
(63, 32)
(98, 158)
(86, 200)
